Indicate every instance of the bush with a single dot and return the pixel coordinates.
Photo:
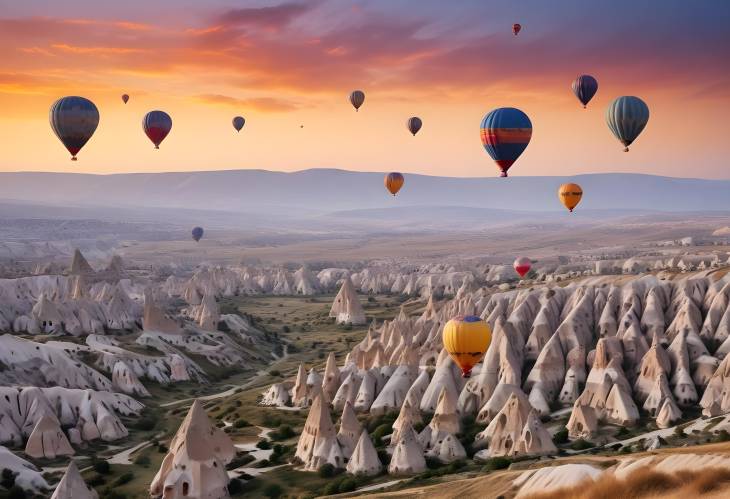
(327, 470)
(382, 430)
(496, 463)
(96, 480)
(7, 478)
(273, 490)
(241, 423)
(142, 460)
(347, 485)
(285, 431)
(581, 444)
(16, 492)
(235, 486)
(561, 436)
(102, 467)
(125, 478)
(263, 444)
(722, 436)
(274, 372)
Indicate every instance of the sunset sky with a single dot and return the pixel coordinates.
(282, 65)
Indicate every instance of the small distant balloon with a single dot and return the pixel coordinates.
(626, 117)
(414, 124)
(585, 87)
(301, 126)
(570, 195)
(516, 28)
(505, 133)
(466, 339)
(125, 98)
(197, 233)
(157, 124)
(522, 265)
(393, 182)
(357, 97)
(73, 120)
(238, 123)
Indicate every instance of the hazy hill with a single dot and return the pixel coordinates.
(320, 191)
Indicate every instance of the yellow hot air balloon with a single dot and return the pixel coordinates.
(570, 195)
(467, 339)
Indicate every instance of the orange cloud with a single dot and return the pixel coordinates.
(266, 104)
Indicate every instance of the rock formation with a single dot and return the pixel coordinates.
(346, 309)
(72, 485)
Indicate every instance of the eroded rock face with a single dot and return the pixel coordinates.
(72, 485)
(195, 465)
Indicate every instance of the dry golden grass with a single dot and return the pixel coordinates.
(647, 483)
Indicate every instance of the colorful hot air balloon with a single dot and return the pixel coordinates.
(505, 133)
(467, 339)
(626, 117)
(414, 124)
(522, 265)
(238, 123)
(125, 98)
(157, 124)
(585, 87)
(357, 97)
(74, 121)
(516, 28)
(570, 195)
(197, 233)
(393, 182)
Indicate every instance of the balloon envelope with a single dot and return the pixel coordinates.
(414, 124)
(516, 28)
(626, 117)
(393, 182)
(197, 233)
(505, 133)
(238, 123)
(125, 98)
(357, 97)
(157, 124)
(570, 195)
(522, 265)
(585, 87)
(467, 339)
(73, 120)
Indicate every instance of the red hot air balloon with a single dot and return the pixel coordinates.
(516, 27)
(157, 124)
(522, 265)
(125, 98)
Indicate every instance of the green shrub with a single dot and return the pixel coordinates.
(347, 485)
(327, 470)
(15, 492)
(142, 460)
(102, 467)
(581, 444)
(285, 431)
(235, 486)
(241, 423)
(125, 478)
(561, 436)
(263, 444)
(496, 463)
(273, 490)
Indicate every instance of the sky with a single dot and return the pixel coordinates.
(282, 65)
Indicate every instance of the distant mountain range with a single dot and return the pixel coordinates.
(321, 192)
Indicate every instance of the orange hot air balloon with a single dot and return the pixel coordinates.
(522, 265)
(393, 182)
(467, 339)
(570, 195)
(516, 27)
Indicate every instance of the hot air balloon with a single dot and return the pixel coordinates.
(157, 124)
(466, 339)
(522, 265)
(570, 195)
(125, 98)
(197, 233)
(516, 28)
(357, 97)
(238, 123)
(585, 87)
(414, 124)
(626, 117)
(393, 182)
(505, 133)
(74, 121)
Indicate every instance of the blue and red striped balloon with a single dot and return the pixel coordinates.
(156, 125)
(505, 133)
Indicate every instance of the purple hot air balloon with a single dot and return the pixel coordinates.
(74, 120)
(238, 123)
(197, 233)
(585, 87)
(414, 124)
